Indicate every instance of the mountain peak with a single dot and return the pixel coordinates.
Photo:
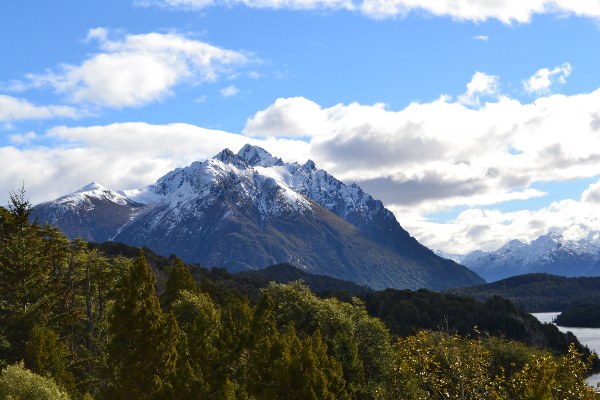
(258, 157)
(90, 187)
(225, 156)
(310, 165)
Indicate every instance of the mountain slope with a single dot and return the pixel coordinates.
(250, 210)
(549, 253)
(93, 213)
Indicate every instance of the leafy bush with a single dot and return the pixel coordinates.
(16, 382)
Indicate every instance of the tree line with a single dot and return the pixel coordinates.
(78, 324)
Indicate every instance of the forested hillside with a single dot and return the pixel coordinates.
(538, 292)
(78, 324)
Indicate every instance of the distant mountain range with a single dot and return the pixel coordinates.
(551, 253)
(250, 210)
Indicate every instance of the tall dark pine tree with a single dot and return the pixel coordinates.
(142, 354)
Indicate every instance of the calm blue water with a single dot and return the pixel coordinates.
(587, 336)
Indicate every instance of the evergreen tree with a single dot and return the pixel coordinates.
(179, 279)
(200, 324)
(142, 353)
(284, 366)
(24, 274)
(46, 355)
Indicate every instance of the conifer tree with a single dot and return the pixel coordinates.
(142, 353)
(24, 273)
(179, 279)
(200, 325)
(46, 356)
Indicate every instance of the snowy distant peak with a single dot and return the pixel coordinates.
(89, 193)
(256, 156)
(511, 246)
(457, 258)
(91, 187)
(551, 253)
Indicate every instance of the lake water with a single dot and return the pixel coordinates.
(587, 336)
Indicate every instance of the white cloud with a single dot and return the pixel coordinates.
(506, 11)
(230, 91)
(15, 109)
(481, 85)
(133, 70)
(592, 194)
(120, 156)
(269, 4)
(481, 38)
(432, 157)
(544, 79)
(23, 138)
(489, 229)
(291, 117)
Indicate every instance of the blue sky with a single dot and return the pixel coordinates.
(475, 122)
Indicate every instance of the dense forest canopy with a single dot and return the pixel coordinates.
(78, 323)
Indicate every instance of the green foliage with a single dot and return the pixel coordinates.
(283, 366)
(92, 326)
(200, 323)
(179, 279)
(360, 342)
(432, 365)
(16, 382)
(142, 351)
(405, 312)
(47, 356)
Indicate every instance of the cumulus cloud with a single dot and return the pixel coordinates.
(544, 79)
(507, 11)
(15, 109)
(290, 117)
(575, 219)
(481, 85)
(22, 138)
(120, 156)
(432, 157)
(481, 38)
(230, 91)
(132, 70)
(592, 194)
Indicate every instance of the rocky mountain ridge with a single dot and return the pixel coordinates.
(550, 253)
(250, 210)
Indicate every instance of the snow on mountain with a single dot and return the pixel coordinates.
(250, 210)
(257, 172)
(457, 258)
(550, 253)
(93, 212)
(85, 197)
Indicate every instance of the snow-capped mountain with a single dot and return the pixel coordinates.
(550, 253)
(93, 212)
(457, 258)
(250, 210)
